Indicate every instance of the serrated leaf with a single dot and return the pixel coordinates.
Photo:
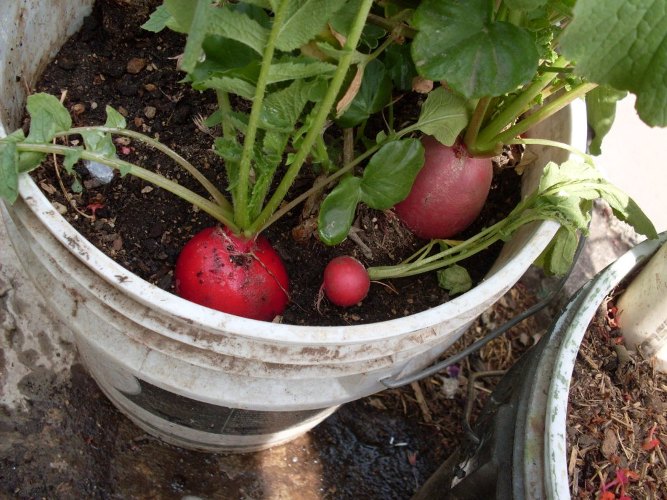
(298, 68)
(601, 111)
(282, 109)
(237, 25)
(455, 279)
(458, 42)
(227, 84)
(390, 173)
(9, 174)
(114, 119)
(304, 20)
(622, 44)
(443, 115)
(337, 211)
(374, 94)
(158, 20)
(47, 117)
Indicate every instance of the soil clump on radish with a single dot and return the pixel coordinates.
(112, 61)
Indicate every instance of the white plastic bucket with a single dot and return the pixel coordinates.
(205, 379)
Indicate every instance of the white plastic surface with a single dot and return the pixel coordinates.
(642, 310)
(211, 356)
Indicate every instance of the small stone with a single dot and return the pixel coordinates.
(150, 87)
(60, 208)
(149, 112)
(146, 190)
(66, 64)
(135, 65)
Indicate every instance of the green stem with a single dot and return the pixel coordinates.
(476, 121)
(216, 211)
(241, 211)
(320, 117)
(219, 198)
(514, 109)
(546, 142)
(395, 26)
(543, 113)
(225, 107)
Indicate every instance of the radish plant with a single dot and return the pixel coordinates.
(314, 84)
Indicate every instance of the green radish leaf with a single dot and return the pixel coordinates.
(47, 117)
(304, 20)
(237, 25)
(400, 67)
(390, 173)
(158, 20)
(227, 84)
(601, 111)
(373, 95)
(557, 257)
(9, 174)
(71, 157)
(114, 119)
(298, 68)
(282, 109)
(624, 45)
(196, 33)
(337, 211)
(100, 143)
(27, 160)
(443, 115)
(627, 210)
(455, 279)
(263, 4)
(458, 42)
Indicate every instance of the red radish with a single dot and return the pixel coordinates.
(346, 281)
(220, 270)
(448, 193)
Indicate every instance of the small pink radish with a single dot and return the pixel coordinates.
(220, 270)
(346, 281)
(448, 193)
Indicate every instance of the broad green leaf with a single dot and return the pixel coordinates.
(455, 279)
(304, 20)
(264, 4)
(337, 211)
(158, 20)
(227, 84)
(390, 173)
(47, 117)
(182, 13)
(601, 111)
(373, 95)
(9, 174)
(114, 119)
(458, 42)
(236, 25)
(623, 44)
(443, 115)
(399, 63)
(298, 68)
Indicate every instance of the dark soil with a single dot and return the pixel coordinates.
(616, 421)
(111, 61)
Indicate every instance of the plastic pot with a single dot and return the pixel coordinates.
(518, 446)
(205, 379)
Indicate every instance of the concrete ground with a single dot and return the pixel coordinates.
(44, 389)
